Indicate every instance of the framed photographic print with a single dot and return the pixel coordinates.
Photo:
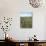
(26, 20)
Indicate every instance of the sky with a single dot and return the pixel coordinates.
(26, 14)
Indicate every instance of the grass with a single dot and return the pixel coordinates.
(26, 22)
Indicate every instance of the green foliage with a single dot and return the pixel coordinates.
(26, 22)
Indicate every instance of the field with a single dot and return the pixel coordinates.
(26, 22)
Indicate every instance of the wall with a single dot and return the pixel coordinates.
(45, 28)
(12, 8)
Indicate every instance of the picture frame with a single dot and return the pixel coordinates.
(26, 20)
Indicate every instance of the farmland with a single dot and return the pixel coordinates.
(26, 22)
